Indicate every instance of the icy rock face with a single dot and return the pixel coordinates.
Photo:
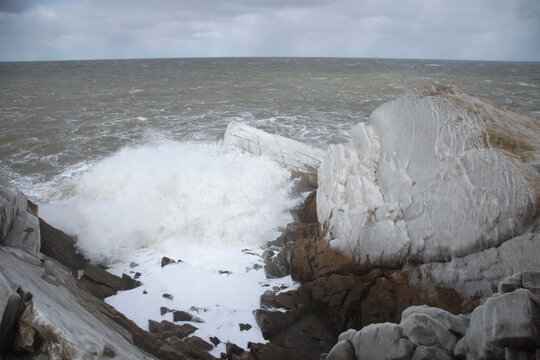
(432, 175)
(70, 321)
(506, 320)
(19, 225)
(301, 159)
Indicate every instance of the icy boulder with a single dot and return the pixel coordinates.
(435, 174)
(19, 224)
(301, 159)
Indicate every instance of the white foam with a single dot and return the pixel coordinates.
(173, 192)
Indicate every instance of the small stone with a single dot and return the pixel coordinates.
(133, 264)
(225, 272)
(137, 275)
(127, 283)
(185, 316)
(166, 261)
(145, 292)
(168, 296)
(163, 310)
(214, 340)
(245, 327)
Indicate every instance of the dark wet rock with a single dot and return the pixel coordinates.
(98, 290)
(273, 322)
(137, 275)
(198, 344)
(128, 283)
(166, 261)
(244, 327)
(166, 329)
(214, 340)
(167, 296)
(274, 352)
(179, 315)
(99, 275)
(163, 310)
(60, 246)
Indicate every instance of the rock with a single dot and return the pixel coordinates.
(507, 320)
(19, 224)
(423, 163)
(381, 341)
(510, 283)
(214, 340)
(10, 304)
(70, 322)
(127, 283)
(422, 329)
(343, 350)
(166, 261)
(185, 316)
(102, 276)
(244, 327)
(60, 246)
(167, 296)
(430, 353)
(163, 310)
(98, 290)
(456, 324)
(273, 322)
(166, 329)
(302, 160)
(198, 344)
(530, 280)
(273, 352)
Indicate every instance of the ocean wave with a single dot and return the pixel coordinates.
(172, 192)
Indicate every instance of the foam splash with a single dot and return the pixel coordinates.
(153, 195)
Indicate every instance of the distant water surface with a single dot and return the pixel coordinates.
(61, 115)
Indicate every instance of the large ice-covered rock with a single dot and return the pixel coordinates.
(509, 320)
(435, 174)
(74, 324)
(19, 224)
(301, 159)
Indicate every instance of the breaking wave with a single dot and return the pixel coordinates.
(171, 192)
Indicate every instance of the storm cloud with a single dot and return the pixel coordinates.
(436, 29)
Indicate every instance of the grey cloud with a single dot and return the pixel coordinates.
(16, 6)
(459, 29)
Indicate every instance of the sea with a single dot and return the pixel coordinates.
(126, 156)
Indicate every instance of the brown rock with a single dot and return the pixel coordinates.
(273, 322)
(179, 315)
(166, 261)
(273, 352)
(98, 290)
(166, 329)
(244, 327)
(101, 276)
(128, 283)
(60, 246)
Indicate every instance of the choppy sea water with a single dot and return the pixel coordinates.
(126, 155)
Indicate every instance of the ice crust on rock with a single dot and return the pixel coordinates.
(19, 225)
(301, 159)
(432, 175)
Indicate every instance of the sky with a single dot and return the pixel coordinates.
(118, 29)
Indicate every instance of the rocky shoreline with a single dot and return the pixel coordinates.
(381, 275)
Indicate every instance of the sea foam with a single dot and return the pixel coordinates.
(169, 193)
